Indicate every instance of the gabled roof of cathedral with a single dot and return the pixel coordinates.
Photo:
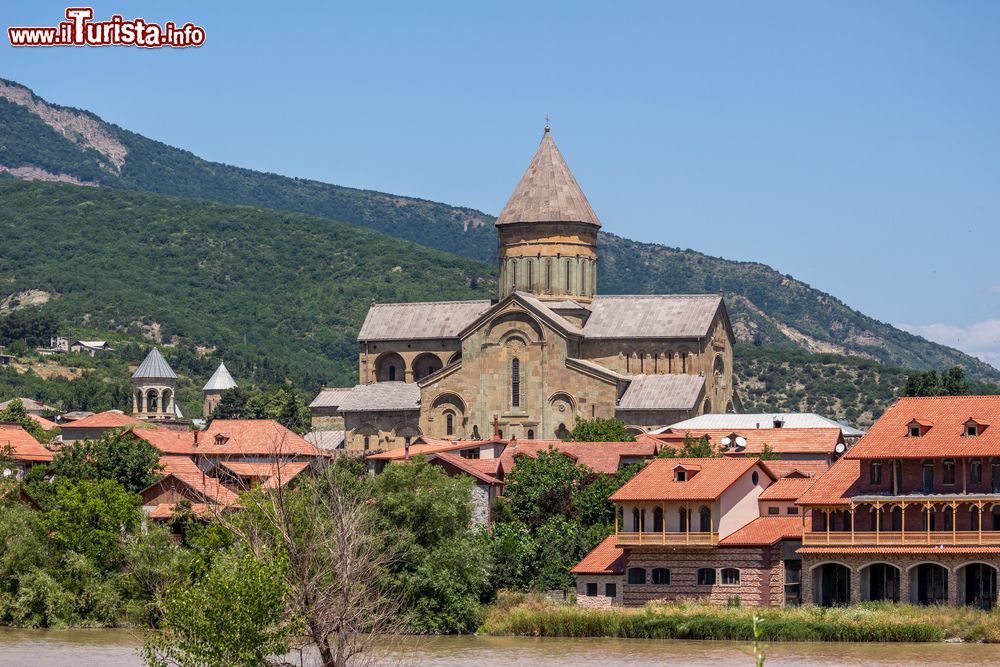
(547, 191)
(220, 380)
(382, 396)
(662, 392)
(154, 366)
(422, 320)
(652, 315)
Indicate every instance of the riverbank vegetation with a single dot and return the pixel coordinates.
(869, 622)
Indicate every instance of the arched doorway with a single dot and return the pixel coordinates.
(390, 368)
(978, 584)
(425, 365)
(929, 584)
(880, 582)
(832, 585)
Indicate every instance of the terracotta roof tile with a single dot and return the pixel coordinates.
(780, 440)
(946, 416)
(835, 486)
(109, 419)
(765, 531)
(787, 488)
(43, 422)
(24, 446)
(656, 480)
(782, 468)
(605, 558)
(237, 437)
(186, 471)
(429, 446)
(602, 457)
(271, 473)
(463, 465)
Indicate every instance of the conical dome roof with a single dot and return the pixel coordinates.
(220, 380)
(154, 366)
(547, 191)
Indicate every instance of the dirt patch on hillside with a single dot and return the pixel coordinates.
(28, 297)
(36, 174)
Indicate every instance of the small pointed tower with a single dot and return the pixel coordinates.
(220, 381)
(154, 386)
(548, 232)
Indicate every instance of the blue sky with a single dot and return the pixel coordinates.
(853, 145)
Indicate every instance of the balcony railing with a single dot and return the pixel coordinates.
(705, 539)
(898, 538)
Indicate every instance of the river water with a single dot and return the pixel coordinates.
(116, 648)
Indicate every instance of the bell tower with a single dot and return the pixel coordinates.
(154, 389)
(548, 232)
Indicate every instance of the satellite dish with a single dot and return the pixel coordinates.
(726, 441)
(741, 441)
(840, 448)
(6, 472)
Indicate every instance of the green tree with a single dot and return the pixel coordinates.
(692, 448)
(592, 501)
(231, 405)
(287, 408)
(32, 325)
(561, 545)
(91, 518)
(235, 616)
(600, 430)
(118, 455)
(768, 454)
(544, 486)
(953, 382)
(15, 413)
(514, 556)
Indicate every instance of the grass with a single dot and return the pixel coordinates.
(870, 622)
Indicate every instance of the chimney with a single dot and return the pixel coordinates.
(406, 449)
(778, 422)
(196, 439)
(496, 427)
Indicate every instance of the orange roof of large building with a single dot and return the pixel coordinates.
(810, 468)
(765, 531)
(23, 446)
(232, 437)
(835, 486)
(186, 471)
(657, 480)
(605, 558)
(108, 419)
(780, 440)
(787, 489)
(943, 420)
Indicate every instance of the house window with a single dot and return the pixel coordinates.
(730, 576)
(548, 275)
(680, 475)
(592, 590)
(949, 519)
(470, 453)
(774, 510)
(636, 575)
(657, 526)
(793, 510)
(755, 477)
(793, 582)
(661, 576)
(367, 442)
(682, 518)
(531, 434)
(706, 576)
(611, 590)
(636, 526)
(515, 382)
(971, 429)
(948, 471)
(705, 519)
(875, 473)
(449, 421)
(914, 431)
(569, 274)
(976, 471)
(392, 373)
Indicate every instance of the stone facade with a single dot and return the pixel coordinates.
(376, 431)
(601, 598)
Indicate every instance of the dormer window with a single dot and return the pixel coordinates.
(914, 431)
(220, 439)
(680, 475)
(917, 428)
(974, 428)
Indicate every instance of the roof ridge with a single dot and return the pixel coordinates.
(425, 303)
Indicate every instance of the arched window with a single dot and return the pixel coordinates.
(657, 523)
(392, 373)
(976, 471)
(531, 434)
(367, 442)
(636, 575)
(636, 526)
(948, 471)
(928, 476)
(661, 576)
(569, 274)
(515, 382)
(705, 519)
(450, 424)
(730, 576)
(682, 518)
(548, 275)
(875, 473)
(531, 277)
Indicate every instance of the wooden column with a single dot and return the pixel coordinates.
(687, 524)
(954, 516)
(826, 512)
(878, 521)
(902, 522)
(852, 523)
(663, 523)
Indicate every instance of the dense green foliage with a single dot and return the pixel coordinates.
(928, 383)
(692, 448)
(282, 404)
(600, 430)
(30, 326)
(118, 456)
(15, 413)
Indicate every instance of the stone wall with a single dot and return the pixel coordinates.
(385, 430)
(761, 575)
(601, 600)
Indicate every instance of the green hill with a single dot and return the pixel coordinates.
(42, 141)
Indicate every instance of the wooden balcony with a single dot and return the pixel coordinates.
(672, 539)
(898, 538)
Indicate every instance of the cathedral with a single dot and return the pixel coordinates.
(549, 350)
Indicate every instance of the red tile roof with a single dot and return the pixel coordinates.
(44, 423)
(429, 446)
(606, 558)
(783, 468)
(601, 457)
(765, 531)
(464, 465)
(164, 511)
(271, 473)
(787, 488)
(656, 480)
(835, 486)
(109, 419)
(183, 469)
(946, 417)
(239, 437)
(24, 446)
(780, 440)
